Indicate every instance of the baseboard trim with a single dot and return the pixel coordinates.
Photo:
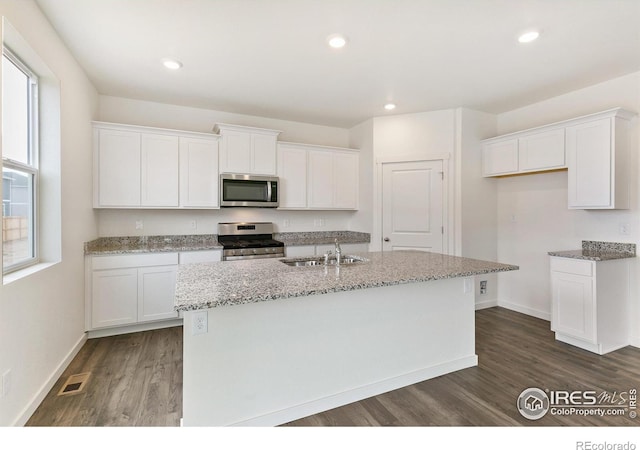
(48, 384)
(104, 332)
(486, 304)
(357, 394)
(525, 310)
(635, 341)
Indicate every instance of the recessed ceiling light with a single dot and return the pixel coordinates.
(171, 64)
(390, 106)
(529, 36)
(336, 41)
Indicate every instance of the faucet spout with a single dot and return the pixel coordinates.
(338, 252)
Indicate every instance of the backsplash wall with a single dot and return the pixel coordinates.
(122, 222)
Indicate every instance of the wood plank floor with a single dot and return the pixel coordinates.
(137, 381)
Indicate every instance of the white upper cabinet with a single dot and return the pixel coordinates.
(594, 149)
(247, 150)
(159, 174)
(292, 174)
(143, 167)
(599, 161)
(116, 168)
(499, 158)
(317, 177)
(541, 151)
(199, 173)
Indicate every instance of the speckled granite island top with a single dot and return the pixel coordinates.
(210, 285)
(599, 251)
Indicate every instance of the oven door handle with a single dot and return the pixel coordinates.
(268, 191)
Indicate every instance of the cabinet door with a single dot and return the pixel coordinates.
(114, 297)
(292, 173)
(159, 175)
(345, 180)
(235, 152)
(263, 154)
(156, 290)
(542, 151)
(500, 158)
(202, 256)
(589, 155)
(573, 310)
(199, 173)
(118, 168)
(320, 180)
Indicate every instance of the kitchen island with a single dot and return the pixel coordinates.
(266, 343)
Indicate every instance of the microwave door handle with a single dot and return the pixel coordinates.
(268, 191)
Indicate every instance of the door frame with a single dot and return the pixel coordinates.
(447, 191)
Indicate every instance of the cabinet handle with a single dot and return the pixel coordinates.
(386, 239)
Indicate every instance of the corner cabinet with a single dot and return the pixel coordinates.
(318, 177)
(247, 150)
(144, 167)
(590, 303)
(595, 150)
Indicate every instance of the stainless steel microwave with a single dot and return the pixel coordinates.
(248, 190)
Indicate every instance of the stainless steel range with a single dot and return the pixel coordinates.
(248, 240)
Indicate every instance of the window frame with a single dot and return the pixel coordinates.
(33, 157)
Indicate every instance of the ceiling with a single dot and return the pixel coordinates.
(270, 57)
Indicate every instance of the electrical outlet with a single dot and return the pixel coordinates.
(139, 225)
(286, 223)
(200, 322)
(625, 229)
(6, 383)
(193, 224)
(318, 223)
(483, 287)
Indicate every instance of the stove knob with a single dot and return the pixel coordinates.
(255, 251)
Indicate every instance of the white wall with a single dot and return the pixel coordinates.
(476, 198)
(361, 136)
(42, 315)
(532, 210)
(137, 112)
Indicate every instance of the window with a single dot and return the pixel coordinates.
(19, 163)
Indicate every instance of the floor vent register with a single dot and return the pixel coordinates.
(75, 384)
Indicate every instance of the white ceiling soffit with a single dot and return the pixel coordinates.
(271, 58)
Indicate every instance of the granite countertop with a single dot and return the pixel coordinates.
(599, 251)
(186, 243)
(210, 285)
(322, 237)
(151, 244)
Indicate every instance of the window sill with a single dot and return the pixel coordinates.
(27, 271)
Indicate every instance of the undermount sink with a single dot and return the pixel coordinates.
(319, 261)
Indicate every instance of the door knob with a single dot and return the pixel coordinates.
(386, 239)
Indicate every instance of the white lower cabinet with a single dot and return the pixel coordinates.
(130, 289)
(590, 303)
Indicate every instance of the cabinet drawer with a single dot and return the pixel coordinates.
(201, 256)
(573, 266)
(138, 260)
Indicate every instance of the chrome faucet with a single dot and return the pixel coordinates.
(338, 253)
(326, 257)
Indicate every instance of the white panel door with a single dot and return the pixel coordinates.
(159, 176)
(345, 180)
(412, 206)
(263, 155)
(292, 172)
(156, 293)
(114, 297)
(589, 163)
(199, 179)
(573, 303)
(320, 185)
(235, 152)
(118, 168)
(542, 151)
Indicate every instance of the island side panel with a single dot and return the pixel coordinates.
(268, 363)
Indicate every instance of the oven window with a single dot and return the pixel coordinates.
(244, 191)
